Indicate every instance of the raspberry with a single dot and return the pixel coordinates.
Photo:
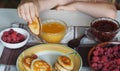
(6, 33)
(106, 65)
(9, 39)
(34, 56)
(116, 70)
(104, 69)
(104, 58)
(21, 37)
(4, 39)
(95, 53)
(100, 66)
(115, 49)
(94, 65)
(11, 31)
(95, 59)
(118, 61)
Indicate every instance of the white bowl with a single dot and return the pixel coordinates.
(15, 45)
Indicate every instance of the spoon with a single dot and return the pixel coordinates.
(75, 42)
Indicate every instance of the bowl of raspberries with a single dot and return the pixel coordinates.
(105, 57)
(14, 37)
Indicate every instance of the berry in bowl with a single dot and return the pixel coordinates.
(105, 57)
(14, 37)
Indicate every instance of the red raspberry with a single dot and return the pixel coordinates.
(18, 39)
(5, 34)
(106, 65)
(100, 66)
(116, 70)
(14, 34)
(34, 56)
(94, 65)
(104, 58)
(95, 53)
(21, 36)
(95, 59)
(11, 31)
(9, 39)
(115, 49)
(104, 69)
(118, 61)
(4, 38)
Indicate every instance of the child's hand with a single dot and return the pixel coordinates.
(28, 10)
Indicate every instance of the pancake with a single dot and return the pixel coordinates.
(40, 65)
(65, 62)
(27, 62)
(58, 67)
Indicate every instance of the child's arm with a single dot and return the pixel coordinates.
(92, 8)
(28, 9)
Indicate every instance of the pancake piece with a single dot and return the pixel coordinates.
(27, 60)
(27, 63)
(35, 26)
(40, 65)
(65, 62)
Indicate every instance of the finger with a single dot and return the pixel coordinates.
(32, 12)
(36, 6)
(18, 11)
(23, 13)
(36, 12)
(27, 13)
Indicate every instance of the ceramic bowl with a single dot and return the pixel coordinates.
(18, 44)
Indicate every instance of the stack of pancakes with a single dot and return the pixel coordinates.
(64, 63)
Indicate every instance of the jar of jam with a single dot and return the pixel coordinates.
(104, 29)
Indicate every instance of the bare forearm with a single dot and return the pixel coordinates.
(48, 4)
(96, 9)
